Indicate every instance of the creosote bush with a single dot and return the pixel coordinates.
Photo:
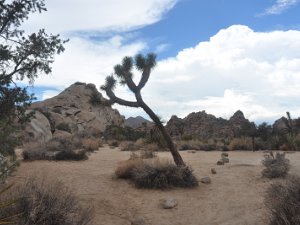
(55, 149)
(46, 202)
(162, 175)
(283, 202)
(155, 174)
(240, 144)
(275, 165)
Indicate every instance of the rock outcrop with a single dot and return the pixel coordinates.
(204, 126)
(137, 122)
(77, 108)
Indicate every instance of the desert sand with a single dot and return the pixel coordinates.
(235, 196)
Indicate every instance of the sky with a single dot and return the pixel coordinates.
(214, 55)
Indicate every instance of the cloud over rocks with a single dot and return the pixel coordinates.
(238, 68)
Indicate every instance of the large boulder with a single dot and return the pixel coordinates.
(38, 128)
(75, 110)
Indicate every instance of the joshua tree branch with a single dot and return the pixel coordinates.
(144, 78)
(115, 99)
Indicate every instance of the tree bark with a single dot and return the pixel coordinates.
(176, 156)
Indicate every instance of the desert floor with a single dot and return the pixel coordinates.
(235, 196)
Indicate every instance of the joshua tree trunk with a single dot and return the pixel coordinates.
(144, 64)
(176, 156)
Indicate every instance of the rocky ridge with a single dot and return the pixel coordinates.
(204, 126)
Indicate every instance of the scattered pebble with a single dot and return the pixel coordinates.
(225, 160)
(220, 162)
(206, 180)
(213, 170)
(138, 221)
(224, 154)
(169, 203)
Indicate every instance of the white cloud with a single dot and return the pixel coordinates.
(98, 15)
(88, 61)
(238, 68)
(280, 6)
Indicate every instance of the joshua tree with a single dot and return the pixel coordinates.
(124, 74)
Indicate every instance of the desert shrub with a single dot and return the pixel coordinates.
(55, 149)
(95, 98)
(113, 143)
(71, 155)
(42, 202)
(208, 147)
(63, 126)
(162, 175)
(283, 202)
(259, 144)
(275, 165)
(123, 133)
(277, 140)
(125, 168)
(147, 154)
(90, 144)
(240, 144)
(7, 166)
(187, 137)
(128, 146)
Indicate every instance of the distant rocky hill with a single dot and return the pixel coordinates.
(136, 122)
(203, 126)
(77, 108)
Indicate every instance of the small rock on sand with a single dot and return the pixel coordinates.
(220, 162)
(213, 170)
(206, 180)
(169, 203)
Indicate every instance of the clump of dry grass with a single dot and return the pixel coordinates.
(46, 202)
(55, 149)
(240, 144)
(125, 168)
(91, 144)
(275, 165)
(283, 202)
(155, 174)
(128, 146)
(163, 174)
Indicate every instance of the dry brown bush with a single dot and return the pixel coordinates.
(240, 144)
(156, 174)
(275, 165)
(125, 168)
(46, 202)
(128, 146)
(91, 144)
(283, 202)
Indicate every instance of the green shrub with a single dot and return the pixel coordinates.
(162, 175)
(283, 202)
(275, 165)
(95, 98)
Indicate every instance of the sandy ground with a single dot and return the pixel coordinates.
(235, 196)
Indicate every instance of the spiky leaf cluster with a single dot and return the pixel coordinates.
(124, 72)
